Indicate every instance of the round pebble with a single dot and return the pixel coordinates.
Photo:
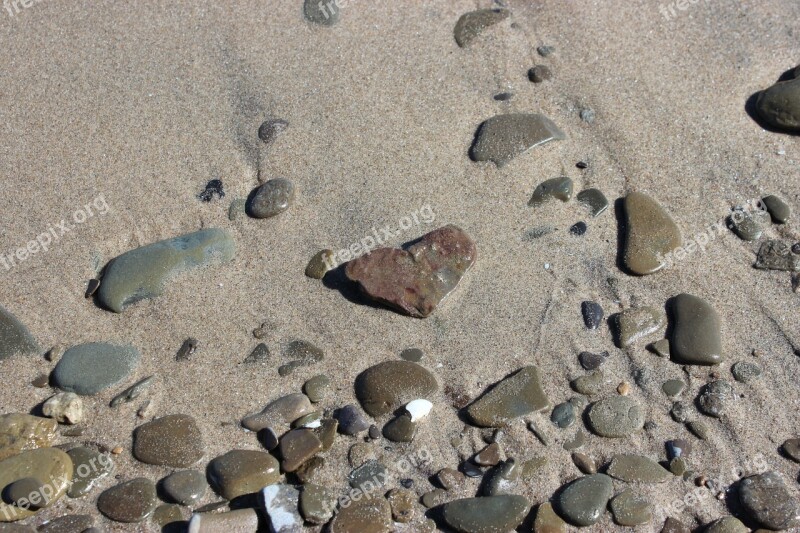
(185, 487)
(129, 502)
(272, 198)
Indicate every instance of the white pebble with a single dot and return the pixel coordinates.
(65, 407)
(419, 409)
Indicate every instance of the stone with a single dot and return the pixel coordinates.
(21, 492)
(745, 372)
(673, 387)
(489, 456)
(698, 429)
(317, 503)
(169, 515)
(769, 502)
(779, 105)
(132, 392)
(776, 255)
(555, 188)
(502, 478)
(64, 407)
(748, 223)
(563, 415)
(308, 470)
(696, 337)
(302, 353)
(412, 354)
(678, 466)
(368, 477)
(547, 521)
(592, 314)
(434, 498)
(539, 73)
(143, 273)
(185, 487)
(583, 501)
(186, 350)
(319, 265)
(237, 209)
(672, 525)
(20, 432)
(576, 442)
(414, 281)
(367, 515)
(504, 137)
(403, 503)
(726, 524)
(271, 198)
(715, 398)
(590, 384)
(172, 440)
(489, 514)
(385, 387)
(72, 523)
(615, 417)
(777, 208)
(637, 468)
(241, 472)
(321, 14)
(238, 521)
(49, 465)
(578, 229)
(629, 510)
(680, 411)
(470, 25)
(281, 504)
(584, 463)
(651, 234)
(317, 388)
(280, 413)
(129, 502)
(678, 448)
(351, 421)
(545, 50)
(637, 323)
(517, 395)
(88, 467)
(259, 355)
(594, 199)
(660, 348)
(15, 339)
(592, 361)
(88, 369)
(298, 446)
(272, 128)
(400, 429)
(791, 447)
(450, 479)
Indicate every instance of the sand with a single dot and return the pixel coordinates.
(143, 104)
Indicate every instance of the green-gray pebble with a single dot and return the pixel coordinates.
(129, 502)
(651, 234)
(696, 337)
(386, 386)
(88, 369)
(185, 487)
(563, 415)
(317, 503)
(615, 417)
(673, 387)
(637, 323)
(727, 524)
(779, 105)
(748, 223)
(637, 468)
(271, 198)
(698, 429)
(321, 13)
(172, 440)
(555, 188)
(583, 501)
(470, 25)
(517, 395)
(240, 472)
(504, 137)
(490, 514)
(777, 208)
(715, 398)
(88, 466)
(590, 384)
(400, 429)
(317, 388)
(15, 337)
(594, 199)
(629, 510)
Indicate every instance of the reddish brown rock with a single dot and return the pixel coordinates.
(414, 281)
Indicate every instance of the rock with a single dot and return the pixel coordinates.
(637, 468)
(317, 388)
(748, 223)
(306, 473)
(547, 521)
(186, 350)
(129, 502)
(558, 188)
(779, 105)
(727, 524)
(321, 13)
(539, 73)
(777, 208)
(281, 504)
(450, 479)
(400, 429)
(132, 392)
(319, 265)
(678, 466)
(73, 523)
(651, 234)
(563, 415)
(367, 515)
(386, 386)
(696, 338)
(583, 501)
(298, 446)
(403, 503)
(584, 463)
(715, 397)
(15, 339)
(776, 255)
(590, 384)
(698, 429)
(185, 487)
(545, 50)
(576, 442)
(239, 521)
(504, 137)
(578, 229)
(144, 272)
(64, 407)
(418, 409)
(592, 361)
(434, 498)
(368, 477)
(660, 348)
(615, 417)
(587, 115)
(169, 516)
(489, 456)
(630, 511)
(88, 467)
(172, 440)
(502, 479)
(237, 209)
(592, 314)
(88, 369)
(678, 448)
(745, 372)
(416, 280)
(672, 525)
(594, 199)
(471, 25)
(412, 354)
(673, 387)
(490, 514)
(20, 432)
(517, 395)
(637, 323)
(51, 466)
(19, 493)
(317, 503)
(240, 472)
(272, 128)
(769, 502)
(271, 198)
(351, 421)
(279, 413)
(302, 353)
(791, 447)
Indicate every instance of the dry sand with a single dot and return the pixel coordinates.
(144, 103)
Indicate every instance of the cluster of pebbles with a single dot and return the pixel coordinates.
(274, 488)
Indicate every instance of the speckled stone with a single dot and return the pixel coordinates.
(389, 385)
(563, 415)
(317, 388)
(279, 413)
(502, 479)
(172, 440)
(592, 361)
(302, 353)
(769, 502)
(15, 339)
(615, 417)
(698, 429)
(88, 369)
(240, 472)
(412, 354)
(185, 487)
(745, 372)
(585, 464)
(317, 503)
(470, 25)
(367, 515)
(590, 384)
(555, 188)
(20, 432)
(517, 395)
(592, 314)
(298, 446)
(403, 503)
(748, 223)
(777, 255)
(575, 442)
(72, 523)
(271, 129)
(129, 502)
(88, 467)
(489, 514)
(651, 234)
(583, 501)
(281, 504)
(777, 208)
(434, 498)
(504, 137)
(673, 387)
(715, 398)
(779, 105)
(671, 525)
(696, 337)
(547, 521)
(637, 323)
(594, 199)
(271, 198)
(169, 515)
(660, 348)
(50, 465)
(637, 468)
(726, 524)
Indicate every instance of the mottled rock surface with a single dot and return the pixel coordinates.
(20, 432)
(616, 417)
(769, 502)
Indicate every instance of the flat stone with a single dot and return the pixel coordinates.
(517, 395)
(351, 421)
(585, 464)
(281, 504)
(502, 479)
(489, 456)
(504, 137)
(259, 355)
(696, 337)
(637, 323)
(434, 498)
(592, 361)
(777, 255)
(272, 128)
(271, 198)
(661, 348)
(317, 388)
(367, 515)
(185, 487)
(748, 223)
(590, 384)
(769, 502)
(132, 392)
(412, 354)
(327, 432)
(637, 468)
(563, 415)
(791, 447)
(779, 105)
(72, 523)
(745, 372)
(471, 25)
(673, 387)
(144, 272)
(547, 521)
(616, 417)
(321, 14)
(576, 442)
(15, 339)
(319, 265)
(238, 521)
(129, 502)
(490, 514)
(594, 199)
(172, 440)
(678, 466)
(298, 446)
(317, 503)
(400, 429)
(88, 467)
(416, 280)
(20, 491)
(777, 208)
(403, 503)
(727, 524)
(169, 516)
(389, 385)
(280, 413)
(629, 510)
(583, 501)
(88, 369)
(555, 188)
(368, 477)
(240, 472)
(651, 234)
(592, 314)
(20, 432)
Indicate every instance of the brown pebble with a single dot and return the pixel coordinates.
(489, 456)
(757, 352)
(116, 450)
(41, 382)
(701, 481)
(624, 388)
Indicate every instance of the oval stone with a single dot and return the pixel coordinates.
(470, 25)
(489, 514)
(583, 501)
(696, 338)
(389, 385)
(271, 198)
(91, 368)
(129, 502)
(616, 417)
(503, 137)
(185, 487)
(768, 501)
(172, 440)
(50, 465)
(651, 234)
(240, 472)
(367, 515)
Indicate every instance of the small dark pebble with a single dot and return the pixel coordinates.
(472, 470)
(92, 287)
(592, 361)
(582, 165)
(41, 382)
(351, 421)
(578, 229)
(407, 483)
(796, 248)
(259, 354)
(412, 354)
(187, 349)
(592, 314)
(270, 129)
(546, 50)
(213, 189)
(503, 97)
(374, 432)
(539, 73)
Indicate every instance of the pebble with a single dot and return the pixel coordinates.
(51, 465)
(501, 479)
(188, 347)
(418, 409)
(769, 502)
(637, 468)
(651, 234)
(271, 198)
(696, 337)
(672, 525)
(88, 467)
(791, 447)
(563, 415)
(240, 472)
(540, 73)
(576, 442)
(281, 504)
(15, 339)
(489, 456)
(450, 479)
(20, 432)
(726, 524)
(185, 487)
(594, 199)
(588, 115)
(661, 348)
(698, 428)
(504, 137)
(547, 521)
(272, 128)
(748, 223)
(317, 388)
(637, 323)
(592, 314)
(503, 97)
(592, 361)
(615, 417)
(558, 188)
(367, 515)
(715, 398)
(745, 372)
(486, 514)
(517, 395)
(317, 503)
(629, 510)
(416, 280)
(129, 502)
(298, 446)
(403, 503)
(673, 387)
(400, 429)
(259, 355)
(240, 520)
(389, 385)
(143, 273)
(172, 440)
(412, 354)
(584, 463)
(583, 501)
(578, 229)
(590, 384)
(779, 105)
(678, 448)
(237, 209)
(41, 381)
(678, 466)
(73, 523)
(776, 255)
(351, 421)
(64, 407)
(88, 369)
(132, 392)
(434, 498)
(777, 208)
(302, 353)
(471, 25)
(624, 388)
(545, 50)
(22, 493)
(213, 189)
(319, 265)
(280, 413)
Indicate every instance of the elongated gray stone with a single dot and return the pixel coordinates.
(503, 137)
(637, 468)
(779, 105)
(584, 500)
(144, 272)
(651, 235)
(594, 199)
(471, 25)
(517, 395)
(696, 337)
(279, 413)
(88, 369)
(14, 337)
(489, 514)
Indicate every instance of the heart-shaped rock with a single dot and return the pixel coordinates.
(414, 281)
